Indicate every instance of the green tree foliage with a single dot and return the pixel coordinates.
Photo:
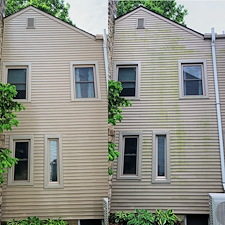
(8, 118)
(54, 7)
(168, 8)
(8, 107)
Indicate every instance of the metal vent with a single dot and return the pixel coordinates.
(220, 213)
(141, 23)
(106, 211)
(217, 209)
(30, 23)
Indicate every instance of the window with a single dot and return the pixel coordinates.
(160, 157)
(193, 79)
(140, 23)
(18, 74)
(197, 219)
(129, 162)
(90, 222)
(128, 73)
(22, 172)
(84, 81)
(53, 161)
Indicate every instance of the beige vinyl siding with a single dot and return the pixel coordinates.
(50, 48)
(194, 148)
(220, 59)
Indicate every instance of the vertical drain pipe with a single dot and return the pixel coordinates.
(218, 107)
(106, 58)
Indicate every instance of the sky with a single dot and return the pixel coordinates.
(91, 15)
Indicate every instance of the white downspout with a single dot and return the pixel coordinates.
(218, 107)
(105, 57)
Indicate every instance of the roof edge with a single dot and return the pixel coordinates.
(52, 17)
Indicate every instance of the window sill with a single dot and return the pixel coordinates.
(22, 183)
(128, 178)
(194, 97)
(22, 100)
(131, 98)
(86, 100)
(160, 181)
(53, 186)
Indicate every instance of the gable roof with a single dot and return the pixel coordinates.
(7, 18)
(160, 17)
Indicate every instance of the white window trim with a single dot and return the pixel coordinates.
(143, 23)
(11, 181)
(47, 183)
(138, 77)
(121, 157)
(204, 79)
(155, 177)
(73, 64)
(9, 65)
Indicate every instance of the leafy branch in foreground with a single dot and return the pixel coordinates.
(8, 118)
(115, 103)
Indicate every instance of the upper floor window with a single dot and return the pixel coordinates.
(18, 74)
(129, 162)
(84, 81)
(128, 73)
(18, 77)
(193, 79)
(22, 172)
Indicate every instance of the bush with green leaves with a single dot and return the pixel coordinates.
(143, 217)
(165, 217)
(115, 103)
(8, 119)
(36, 221)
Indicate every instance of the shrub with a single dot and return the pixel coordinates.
(36, 221)
(143, 217)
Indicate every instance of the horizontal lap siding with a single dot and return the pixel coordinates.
(194, 148)
(220, 58)
(83, 125)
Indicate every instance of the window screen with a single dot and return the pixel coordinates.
(54, 148)
(161, 154)
(130, 155)
(17, 77)
(192, 76)
(84, 81)
(22, 154)
(127, 76)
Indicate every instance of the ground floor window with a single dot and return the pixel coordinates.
(90, 222)
(197, 219)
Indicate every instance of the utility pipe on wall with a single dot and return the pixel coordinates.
(105, 57)
(219, 121)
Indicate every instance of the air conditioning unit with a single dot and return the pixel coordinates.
(217, 208)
